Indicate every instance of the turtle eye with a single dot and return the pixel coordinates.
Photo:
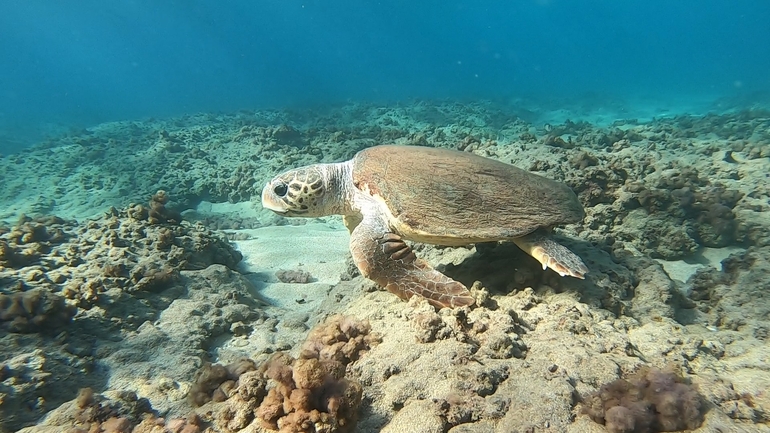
(281, 189)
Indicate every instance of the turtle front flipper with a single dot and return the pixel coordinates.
(382, 256)
(552, 254)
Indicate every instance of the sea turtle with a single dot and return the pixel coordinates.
(388, 194)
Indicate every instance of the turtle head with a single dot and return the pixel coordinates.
(302, 192)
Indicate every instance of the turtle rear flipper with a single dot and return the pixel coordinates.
(385, 258)
(552, 254)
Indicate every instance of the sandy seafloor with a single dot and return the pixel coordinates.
(100, 293)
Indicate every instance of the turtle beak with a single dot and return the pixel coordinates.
(269, 200)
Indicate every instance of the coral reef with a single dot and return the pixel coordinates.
(157, 296)
(216, 382)
(157, 213)
(34, 311)
(115, 272)
(736, 296)
(686, 197)
(92, 412)
(121, 251)
(309, 393)
(30, 239)
(340, 338)
(36, 377)
(650, 400)
(116, 412)
(458, 389)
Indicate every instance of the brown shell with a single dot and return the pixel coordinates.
(455, 198)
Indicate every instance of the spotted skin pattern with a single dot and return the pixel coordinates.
(304, 190)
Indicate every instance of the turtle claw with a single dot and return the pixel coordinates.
(571, 266)
(553, 255)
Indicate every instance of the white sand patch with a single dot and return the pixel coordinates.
(318, 248)
(682, 270)
(245, 208)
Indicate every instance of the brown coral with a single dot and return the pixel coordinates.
(311, 393)
(651, 400)
(340, 338)
(159, 213)
(308, 394)
(217, 382)
(94, 261)
(93, 412)
(34, 311)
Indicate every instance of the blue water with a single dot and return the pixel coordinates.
(82, 62)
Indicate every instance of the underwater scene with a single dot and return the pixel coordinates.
(420, 217)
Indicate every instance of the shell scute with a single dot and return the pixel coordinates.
(450, 197)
